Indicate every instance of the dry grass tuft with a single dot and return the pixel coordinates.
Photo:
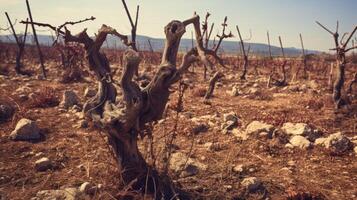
(45, 98)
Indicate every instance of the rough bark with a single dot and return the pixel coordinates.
(353, 81)
(270, 55)
(303, 62)
(207, 34)
(339, 82)
(341, 50)
(20, 45)
(125, 120)
(282, 81)
(212, 84)
(36, 40)
(245, 56)
(330, 77)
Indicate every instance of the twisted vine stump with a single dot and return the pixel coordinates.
(207, 34)
(353, 81)
(282, 82)
(303, 62)
(212, 84)
(124, 121)
(20, 45)
(270, 54)
(330, 77)
(245, 56)
(341, 50)
(40, 55)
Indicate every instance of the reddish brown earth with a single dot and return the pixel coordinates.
(83, 155)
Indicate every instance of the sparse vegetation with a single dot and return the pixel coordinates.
(107, 123)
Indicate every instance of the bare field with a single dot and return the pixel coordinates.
(82, 154)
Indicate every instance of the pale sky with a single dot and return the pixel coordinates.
(287, 18)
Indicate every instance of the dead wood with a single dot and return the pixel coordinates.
(270, 55)
(134, 25)
(20, 44)
(353, 81)
(341, 50)
(123, 122)
(282, 82)
(245, 56)
(203, 44)
(36, 40)
(212, 84)
(303, 62)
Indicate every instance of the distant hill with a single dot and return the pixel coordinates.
(158, 45)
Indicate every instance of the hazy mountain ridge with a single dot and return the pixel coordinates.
(158, 45)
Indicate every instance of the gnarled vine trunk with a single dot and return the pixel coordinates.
(123, 123)
(340, 79)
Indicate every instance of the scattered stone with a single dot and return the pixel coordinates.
(230, 77)
(257, 127)
(301, 129)
(254, 91)
(320, 141)
(313, 85)
(252, 184)
(23, 97)
(43, 164)
(208, 119)
(211, 146)
(25, 130)
(296, 129)
(336, 142)
(39, 154)
(231, 116)
(238, 169)
(242, 135)
(355, 150)
(69, 99)
(265, 135)
(291, 163)
(180, 163)
(280, 95)
(230, 121)
(300, 142)
(65, 194)
(285, 170)
(89, 92)
(87, 188)
(251, 170)
(235, 91)
(23, 90)
(228, 187)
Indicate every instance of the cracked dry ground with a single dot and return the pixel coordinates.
(82, 154)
